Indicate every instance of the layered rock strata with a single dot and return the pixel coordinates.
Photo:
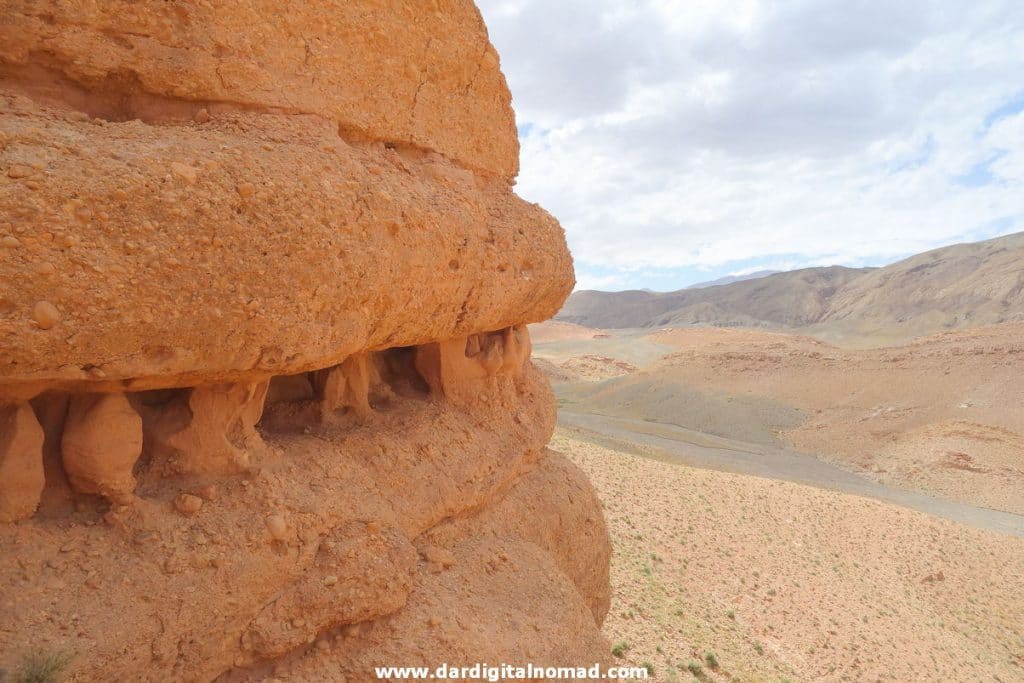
(266, 404)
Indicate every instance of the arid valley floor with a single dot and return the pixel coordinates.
(784, 509)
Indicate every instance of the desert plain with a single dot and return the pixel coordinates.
(784, 509)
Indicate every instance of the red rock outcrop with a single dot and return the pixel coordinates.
(266, 404)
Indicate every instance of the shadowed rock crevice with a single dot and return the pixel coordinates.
(211, 430)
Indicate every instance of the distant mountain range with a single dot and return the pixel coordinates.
(962, 285)
(729, 279)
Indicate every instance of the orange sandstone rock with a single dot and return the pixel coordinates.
(161, 282)
(213, 431)
(265, 287)
(420, 74)
(21, 462)
(102, 439)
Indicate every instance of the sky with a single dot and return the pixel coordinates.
(679, 141)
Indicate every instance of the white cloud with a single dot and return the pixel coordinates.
(678, 134)
(585, 280)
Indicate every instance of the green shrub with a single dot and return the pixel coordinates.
(42, 666)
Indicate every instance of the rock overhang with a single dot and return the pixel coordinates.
(266, 244)
(265, 286)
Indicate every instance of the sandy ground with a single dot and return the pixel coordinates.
(696, 449)
(839, 560)
(559, 342)
(940, 415)
(727, 577)
(556, 330)
(569, 353)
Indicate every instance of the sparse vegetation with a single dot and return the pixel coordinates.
(619, 649)
(687, 600)
(42, 666)
(649, 667)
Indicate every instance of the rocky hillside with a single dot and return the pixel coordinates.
(957, 286)
(266, 404)
(962, 285)
(795, 298)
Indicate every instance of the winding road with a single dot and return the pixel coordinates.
(697, 449)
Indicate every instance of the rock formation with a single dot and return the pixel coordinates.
(266, 404)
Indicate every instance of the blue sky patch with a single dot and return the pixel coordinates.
(981, 174)
(1011, 107)
(923, 156)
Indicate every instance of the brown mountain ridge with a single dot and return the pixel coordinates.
(962, 285)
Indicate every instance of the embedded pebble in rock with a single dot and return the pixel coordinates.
(440, 556)
(19, 171)
(209, 492)
(278, 527)
(10, 242)
(188, 504)
(46, 315)
(144, 537)
(185, 172)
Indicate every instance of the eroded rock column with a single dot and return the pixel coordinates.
(456, 368)
(345, 387)
(21, 462)
(213, 431)
(101, 442)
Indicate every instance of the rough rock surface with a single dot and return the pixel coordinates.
(162, 269)
(266, 403)
(421, 74)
